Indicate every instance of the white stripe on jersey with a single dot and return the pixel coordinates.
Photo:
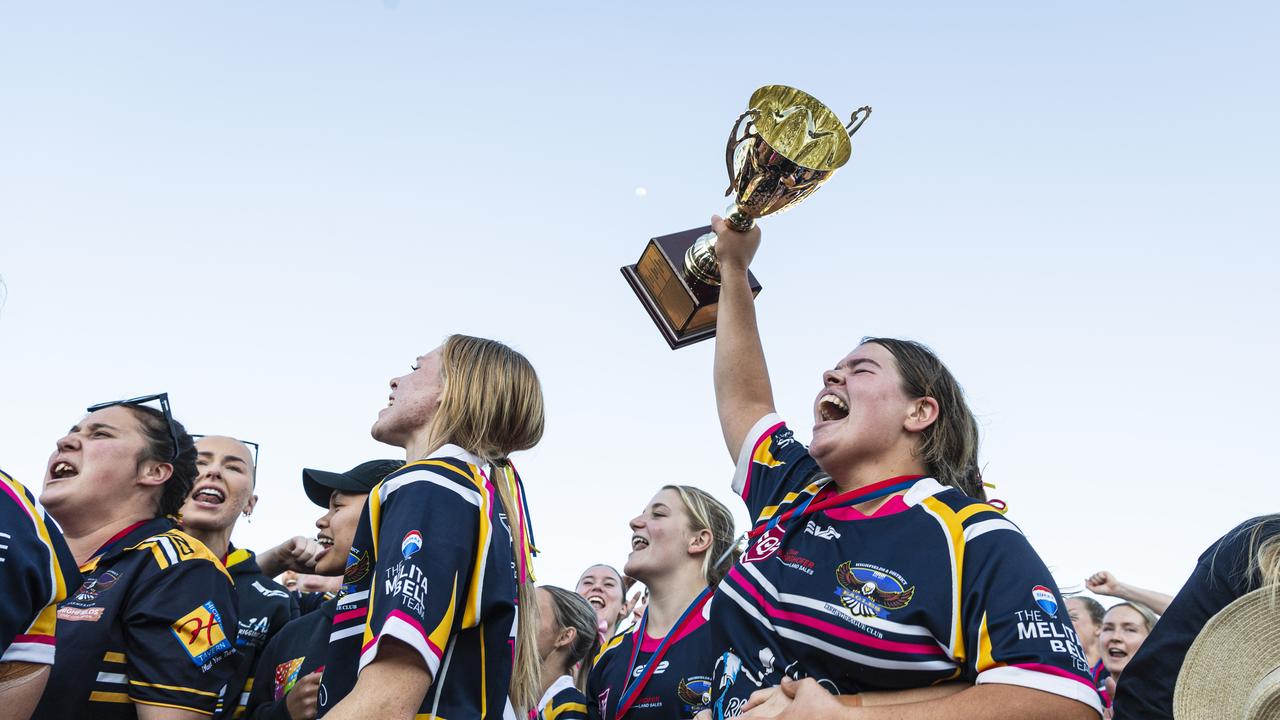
(808, 602)
(30, 652)
(986, 526)
(354, 597)
(1074, 689)
(407, 634)
(167, 545)
(429, 476)
(444, 670)
(955, 605)
(118, 678)
(748, 448)
(339, 634)
(790, 634)
(924, 487)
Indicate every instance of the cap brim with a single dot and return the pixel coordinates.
(320, 484)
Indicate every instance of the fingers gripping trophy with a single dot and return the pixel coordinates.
(785, 146)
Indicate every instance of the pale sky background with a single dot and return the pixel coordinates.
(268, 209)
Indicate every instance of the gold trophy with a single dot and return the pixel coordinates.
(780, 150)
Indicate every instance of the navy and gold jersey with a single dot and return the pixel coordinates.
(294, 653)
(36, 572)
(153, 623)
(264, 606)
(432, 566)
(680, 685)
(562, 701)
(933, 586)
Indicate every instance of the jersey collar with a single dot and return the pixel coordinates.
(562, 683)
(127, 538)
(457, 453)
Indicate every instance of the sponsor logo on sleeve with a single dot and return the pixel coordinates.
(411, 544)
(268, 592)
(871, 591)
(1045, 599)
(201, 636)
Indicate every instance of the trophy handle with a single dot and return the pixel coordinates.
(858, 117)
(735, 141)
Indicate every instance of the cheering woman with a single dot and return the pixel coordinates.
(438, 572)
(682, 544)
(873, 563)
(153, 624)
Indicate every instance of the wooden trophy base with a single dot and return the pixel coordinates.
(684, 309)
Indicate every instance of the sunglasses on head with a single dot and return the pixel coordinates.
(141, 401)
(253, 446)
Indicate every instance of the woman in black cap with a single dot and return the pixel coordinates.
(288, 676)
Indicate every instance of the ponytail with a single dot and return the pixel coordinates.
(526, 668)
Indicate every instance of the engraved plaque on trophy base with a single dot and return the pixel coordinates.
(683, 308)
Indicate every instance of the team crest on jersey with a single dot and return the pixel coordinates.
(765, 546)
(694, 693)
(200, 634)
(1045, 599)
(869, 591)
(358, 565)
(411, 544)
(92, 587)
(287, 677)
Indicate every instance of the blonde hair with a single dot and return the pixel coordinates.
(491, 406)
(1264, 558)
(707, 513)
(1149, 617)
(571, 610)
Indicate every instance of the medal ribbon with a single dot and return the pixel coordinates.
(871, 492)
(631, 691)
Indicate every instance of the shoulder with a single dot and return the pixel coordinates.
(611, 647)
(565, 704)
(964, 518)
(19, 496)
(174, 549)
(432, 476)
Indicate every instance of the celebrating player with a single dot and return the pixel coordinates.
(223, 493)
(604, 588)
(447, 540)
(153, 624)
(567, 640)
(36, 572)
(287, 681)
(873, 564)
(682, 544)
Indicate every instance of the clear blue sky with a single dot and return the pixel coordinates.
(269, 209)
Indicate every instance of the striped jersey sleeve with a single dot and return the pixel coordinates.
(773, 468)
(36, 572)
(429, 566)
(1013, 627)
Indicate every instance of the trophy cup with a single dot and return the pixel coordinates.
(780, 150)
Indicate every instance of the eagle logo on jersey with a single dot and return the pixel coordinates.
(870, 592)
(695, 693)
(358, 565)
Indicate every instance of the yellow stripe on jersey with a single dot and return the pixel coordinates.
(770, 511)
(428, 716)
(963, 515)
(113, 657)
(97, 696)
(237, 556)
(440, 635)
(610, 644)
(554, 712)
(484, 678)
(951, 524)
(176, 707)
(177, 688)
(985, 659)
(764, 454)
(46, 621)
(183, 545)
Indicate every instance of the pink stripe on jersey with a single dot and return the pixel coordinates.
(1051, 670)
(42, 639)
(751, 461)
(20, 503)
(349, 615)
(826, 628)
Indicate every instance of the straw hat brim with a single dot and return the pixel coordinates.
(1232, 670)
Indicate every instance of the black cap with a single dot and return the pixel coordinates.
(362, 478)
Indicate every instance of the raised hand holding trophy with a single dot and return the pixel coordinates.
(780, 150)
